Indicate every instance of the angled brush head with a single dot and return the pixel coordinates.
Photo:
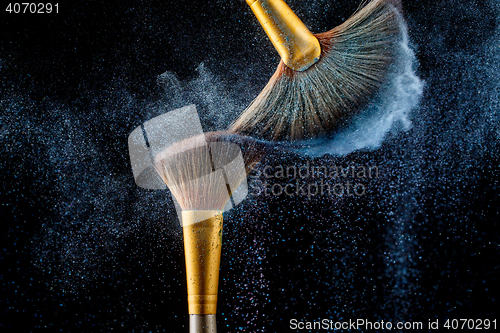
(253, 150)
(203, 171)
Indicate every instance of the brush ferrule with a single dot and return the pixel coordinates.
(297, 46)
(202, 323)
(202, 247)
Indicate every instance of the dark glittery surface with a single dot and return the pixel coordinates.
(85, 250)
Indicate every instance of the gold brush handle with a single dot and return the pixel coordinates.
(202, 246)
(297, 46)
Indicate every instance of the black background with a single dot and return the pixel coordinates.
(422, 244)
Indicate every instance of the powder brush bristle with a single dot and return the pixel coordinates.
(253, 150)
(355, 60)
(198, 170)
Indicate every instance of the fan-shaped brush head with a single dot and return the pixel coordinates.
(354, 62)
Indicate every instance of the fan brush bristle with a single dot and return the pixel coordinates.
(354, 62)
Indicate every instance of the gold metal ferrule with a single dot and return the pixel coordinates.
(296, 45)
(202, 247)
